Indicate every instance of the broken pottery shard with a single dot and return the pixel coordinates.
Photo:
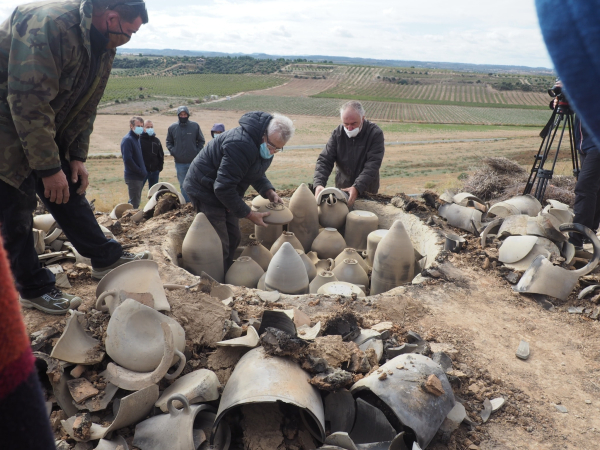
(588, 291)
(561, 409)
(340, 411)
(309, 333)
(82, 425)
(39, 338)
(487, 410)
(433, 385)
(443, 360)
(497, 403)
(116, 443)
(250, 340)
(279, 343)
(75, 345)
(523, 350)
(269, 296)
(199, 386)
(576, 309)
(371, 425)
(277, 319)
(401, 350)
(454, 418)
(81, 389)
(100, 401)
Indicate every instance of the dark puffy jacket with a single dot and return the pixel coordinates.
(357, 159)
(133, 160)
(185, 141)
(154, 156)
(230, 163)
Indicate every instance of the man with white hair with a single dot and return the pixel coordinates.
(234, 160)
(356, 147)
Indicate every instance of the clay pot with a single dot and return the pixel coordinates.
(323, 277)
(325, 264)
(394, 262)
(305, 224)
(287, 273)
(202, 250)
(332, 212)
(313, 257)
(118, 210)
(350, 271)
(329, 243)
(267, 235)
(261, 283)
(244, 272)
(134, 338)
(372, 243)
(258, 253)
(286, 236)
(279, 213)
(44, 222)
(350, 253)
(358, 226)
(311, 270)
(259, 201)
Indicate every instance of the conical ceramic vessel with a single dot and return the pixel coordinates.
(332, 212)
(305, 224)
(286, 236)
(134, 338)
(261, 283)
(350, 271)
(287, 273)
(244, 272)
(350, 253)
(313, 257)
(311, 270)
(358, 226)
(323, 277)
(372, 242)
(258, 253)
(202, 250)
(329, 244)
(267, 235)
(325, 264)
(394, 262)
(279, 214)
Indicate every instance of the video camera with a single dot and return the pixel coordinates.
(557, 92)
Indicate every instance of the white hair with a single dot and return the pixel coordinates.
(282, 126)
(355, 105)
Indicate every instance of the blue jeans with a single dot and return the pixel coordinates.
(182, 170)
(152, 178)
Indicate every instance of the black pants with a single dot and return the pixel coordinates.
(587, 194)
(75, 218)
(227, 226)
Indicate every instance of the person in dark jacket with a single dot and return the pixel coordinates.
(220, 175)
(152, 151)
(356, 148)
(135, 169)
(217, 128)
(184, 141)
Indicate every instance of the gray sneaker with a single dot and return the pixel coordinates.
(99, 273)
(54, 302)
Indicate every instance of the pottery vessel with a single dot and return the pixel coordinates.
(261, 283)
(314, 258)
(244, 272)
(286, 236)
(258, 253)
(161, 186)
(259, 201)
(351, 272)
(325, 264)
(118, 210)
(341, 288)
(323, 277)
(305, 224)
(111, 300)
(394, 262)
(329, 244)
(337, 193)
(267, 235)
(44, 222)
(358, 226)
(138, 277)
(287, 273)
(332, 212)
(311, 270)
(352, 254)
(134, 338)
(199, 386)
(279, 214)
(202, 249)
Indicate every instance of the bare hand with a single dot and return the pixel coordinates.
(257, 218)
(273, 197)
(318, 190)
(56, 188)
(79, 172)
(353, 195)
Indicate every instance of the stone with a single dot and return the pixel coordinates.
(333, 380)
(433, 385)
(279, 343)
(77, 371)
(81, 389)
(81, 426)
(523, 350)
(512, 277)
(332, 349)
(443, 360)
(561, 409)
(595, 313)
(382, 326)
(576, 310)
(588, 402)
(474, 389)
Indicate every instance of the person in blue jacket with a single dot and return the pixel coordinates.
(133, 160)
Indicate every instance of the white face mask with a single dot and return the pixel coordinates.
(353, 133)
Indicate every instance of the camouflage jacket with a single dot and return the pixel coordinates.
(44, 62)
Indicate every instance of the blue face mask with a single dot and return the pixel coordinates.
(150, 131)
(138, 130)
(264, 151)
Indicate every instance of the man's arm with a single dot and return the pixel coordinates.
(170, 140)
(325, 162)
(372, 164)
(200, 140)
(128, 161)
(161, 156)
(262, 186)
(234, 166)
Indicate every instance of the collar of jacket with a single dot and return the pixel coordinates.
(86, 9)
(134, 134)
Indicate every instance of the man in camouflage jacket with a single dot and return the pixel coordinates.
(55, 60)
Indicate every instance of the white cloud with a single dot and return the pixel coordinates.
(282, 32)
(341, 32)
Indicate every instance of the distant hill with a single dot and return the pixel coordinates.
(461, 67)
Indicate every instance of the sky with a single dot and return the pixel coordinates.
(465, 31)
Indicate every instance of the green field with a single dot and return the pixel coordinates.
(187, 86)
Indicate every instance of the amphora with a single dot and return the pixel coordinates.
(332, 212)
(286, 236)
(202, 250)
(323, 277)
(258, 253)
(394, 262)
(244, 272)
(329, 244)
(351, 272)
(305, 224)
(287, 273)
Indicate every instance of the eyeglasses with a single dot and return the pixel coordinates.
(273, 147)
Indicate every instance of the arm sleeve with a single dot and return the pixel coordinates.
(372, 164)
(34, 69)
(200, 139)
(80, 148)
(170, 141)
(161, 156)
(325, 162)
(234, 166)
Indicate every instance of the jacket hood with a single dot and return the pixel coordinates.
(182, 109)
(255, 124)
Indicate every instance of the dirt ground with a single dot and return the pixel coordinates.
(478, 320)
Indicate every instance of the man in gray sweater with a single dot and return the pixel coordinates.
(184, 141)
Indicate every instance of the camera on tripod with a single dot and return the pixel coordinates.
(556, 91)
